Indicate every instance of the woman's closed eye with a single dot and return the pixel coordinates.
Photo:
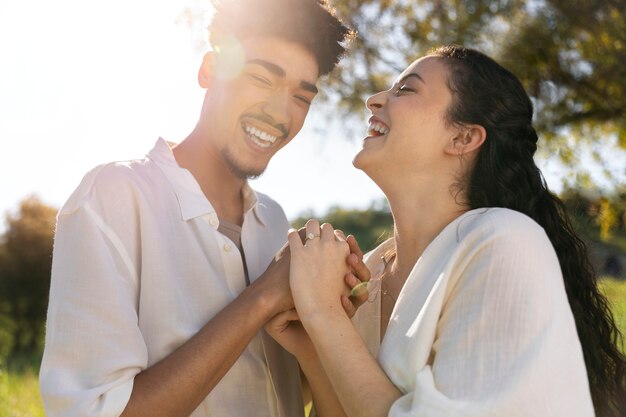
(404, 89)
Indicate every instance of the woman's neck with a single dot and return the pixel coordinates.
(418, 218)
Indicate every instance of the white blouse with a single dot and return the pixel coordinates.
(482, 326)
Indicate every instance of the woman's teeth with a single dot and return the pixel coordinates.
(377, 129)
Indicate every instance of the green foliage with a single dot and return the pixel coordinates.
(600, 221)
(7, 332)
(25, 264)
(571, 56)
(607, 218)
(370, 227)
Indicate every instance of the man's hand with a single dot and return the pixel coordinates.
(357, 279)
(274, 282)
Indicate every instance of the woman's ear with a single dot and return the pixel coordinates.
(207, 70)
(468, 139)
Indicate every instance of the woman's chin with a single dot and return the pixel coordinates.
(361, 160)
(365, 164)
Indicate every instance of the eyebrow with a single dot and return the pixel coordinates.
(411, 75)
(280, 72)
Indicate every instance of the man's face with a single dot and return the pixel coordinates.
(258, 110)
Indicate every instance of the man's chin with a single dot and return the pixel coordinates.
(244, 173)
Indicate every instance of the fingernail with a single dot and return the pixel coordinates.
(356, 289)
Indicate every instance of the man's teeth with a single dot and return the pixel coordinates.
(379, 127)
(259, 137)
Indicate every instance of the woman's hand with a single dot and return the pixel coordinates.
(319, 270)
(286, 327)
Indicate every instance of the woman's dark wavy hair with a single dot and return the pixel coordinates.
(505, 175)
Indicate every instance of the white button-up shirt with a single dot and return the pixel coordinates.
(482, 326)
(138, 268)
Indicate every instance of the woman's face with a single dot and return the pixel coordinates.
(408, 131)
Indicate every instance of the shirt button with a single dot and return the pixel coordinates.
(228, 247)
(213, 222)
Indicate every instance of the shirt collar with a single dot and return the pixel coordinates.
(192, 201)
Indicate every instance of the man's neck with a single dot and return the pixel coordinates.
(219, 185)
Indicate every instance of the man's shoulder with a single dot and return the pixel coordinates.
(112, 181)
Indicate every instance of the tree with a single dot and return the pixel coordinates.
(571, 55)
(25, 265)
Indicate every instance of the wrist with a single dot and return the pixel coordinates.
(318, 318)
(265, 300)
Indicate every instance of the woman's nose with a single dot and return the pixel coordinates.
(376, 101)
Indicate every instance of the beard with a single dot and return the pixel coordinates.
(241, 172)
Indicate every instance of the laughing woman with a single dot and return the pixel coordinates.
(483, 303)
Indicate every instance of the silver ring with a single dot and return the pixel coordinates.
(311, 235)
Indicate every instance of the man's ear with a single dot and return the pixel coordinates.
(468, 139)
(207, 70)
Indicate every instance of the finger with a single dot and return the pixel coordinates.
(359, 293)
(289, 315)
(354, 246)
(339, 235)
(284, 316)
(294, 240)
(359, 290)
(328, 233)
(281, 321)
(348, 307)
(359, 269)
(283, 251)
(312, 230)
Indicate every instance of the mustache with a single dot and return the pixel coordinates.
(264, 118)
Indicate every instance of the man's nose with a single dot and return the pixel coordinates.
(277, 107)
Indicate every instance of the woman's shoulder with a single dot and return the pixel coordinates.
(509, 228)
(496, 219)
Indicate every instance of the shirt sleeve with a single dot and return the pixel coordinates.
(505, 341)
(94, 347)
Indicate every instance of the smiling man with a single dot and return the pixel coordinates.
(163, 271)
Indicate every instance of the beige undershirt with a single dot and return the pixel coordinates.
(233, 232)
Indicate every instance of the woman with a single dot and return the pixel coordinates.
(487, 303)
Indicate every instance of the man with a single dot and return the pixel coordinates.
(159, 284)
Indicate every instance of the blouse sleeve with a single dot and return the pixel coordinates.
(505, 342)
(94, 347)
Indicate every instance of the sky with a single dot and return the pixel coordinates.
(87, 82)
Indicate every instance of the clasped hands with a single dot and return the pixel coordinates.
(326, 277)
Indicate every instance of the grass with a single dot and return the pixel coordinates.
(615, 291)
(19, 387)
